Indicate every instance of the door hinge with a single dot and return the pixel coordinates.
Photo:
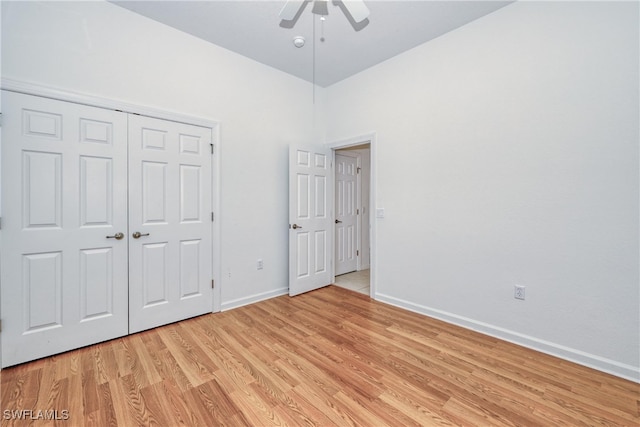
(213, 217)
(357, 211)
(0, 223)
(358, 169)
(357, 253)
(213, 284)
(211, 148)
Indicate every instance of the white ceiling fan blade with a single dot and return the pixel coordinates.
(358, 10)
(291, 8)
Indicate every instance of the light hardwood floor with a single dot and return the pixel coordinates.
(329, 357)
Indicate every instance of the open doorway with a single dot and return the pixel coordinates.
(352, 207)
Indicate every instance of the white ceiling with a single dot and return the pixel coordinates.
(252, 29)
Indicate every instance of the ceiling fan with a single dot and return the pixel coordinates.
(355, 11)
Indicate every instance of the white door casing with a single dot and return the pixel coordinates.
(346, 206)
(170, 178)
(64, 282)
(310, 219)
(368, 140)
(364, 259)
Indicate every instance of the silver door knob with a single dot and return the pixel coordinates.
(117, 236)
(295, 226)
(137, 235)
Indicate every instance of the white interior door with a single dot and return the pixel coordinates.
(64, 274)
(310, 219)
(346, 204)
(170, 206)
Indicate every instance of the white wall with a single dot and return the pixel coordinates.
(97, 48)
(508, 154)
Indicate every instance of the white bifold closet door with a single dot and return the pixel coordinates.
(170, 207)
(77, 183)
(64, 191)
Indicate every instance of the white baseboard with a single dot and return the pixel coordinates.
(631, 373)
(228, 305)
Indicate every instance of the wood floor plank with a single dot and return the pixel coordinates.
(196, 366)
(49, 389)
(587, 408)
(122, 354)
(330, 357)
(182, 408)
(351, 404)
(306, 371)
(419, 414)
(256, 411)
(137, 408)
(318, 410)
(322, 402)
(61, 399)
(17, 386)
(146, 372)
(170, 370)
(466, 415)
(120, 406)
(265, 368)
(106, 414)
(75, 403)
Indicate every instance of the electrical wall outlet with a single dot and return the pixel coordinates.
(259, 264)
(518, 292)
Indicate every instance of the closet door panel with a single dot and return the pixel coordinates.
(64, 190)
(170, 203)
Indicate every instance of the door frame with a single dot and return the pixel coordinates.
(371, 139)
(95, 101)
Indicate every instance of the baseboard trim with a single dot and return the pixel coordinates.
(609, 366)
(236, 303)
